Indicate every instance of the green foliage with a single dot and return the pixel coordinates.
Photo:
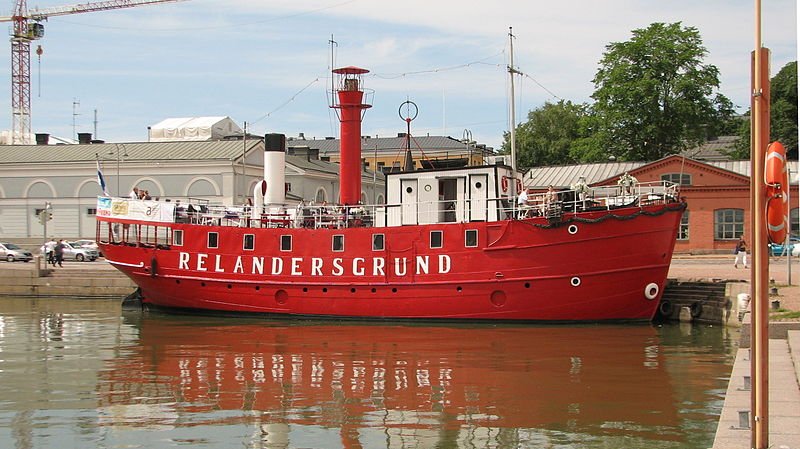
(783, 108)
(548, 134)
(782, 115)
(654, 96)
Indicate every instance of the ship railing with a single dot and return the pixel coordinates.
(555, 203)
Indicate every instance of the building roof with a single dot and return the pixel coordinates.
(383, 144)
(141, 151)
(715, 149)
(565, 175)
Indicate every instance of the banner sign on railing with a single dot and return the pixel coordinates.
(136, 209)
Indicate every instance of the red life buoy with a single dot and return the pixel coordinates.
(504, 184)
(519, 185)
(776, 177)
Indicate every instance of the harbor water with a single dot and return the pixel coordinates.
(81, 373)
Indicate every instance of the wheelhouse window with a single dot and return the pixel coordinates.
(471, 238)
(338, 243)
(213, 240)
(378, 242)
(177, 237)
(728, 224)
(286, 243)
(249, 242)
(436, 239)
(683, 179)
(683, 230)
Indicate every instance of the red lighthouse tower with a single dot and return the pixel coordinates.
(349, 100)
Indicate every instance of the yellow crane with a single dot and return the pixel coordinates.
(28, 27)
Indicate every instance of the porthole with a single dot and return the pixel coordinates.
(202, 284)
(478, 185)
(352, 290)
(177, 281)
(572, 229)
(527, 285)
(458, 289)
(258, 287)
(374, 289)
(230, 286)
(409, 190)
(575, 281)
(324, 290)
(305, 289)
(394, 290)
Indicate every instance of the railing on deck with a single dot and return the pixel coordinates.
(548, 204)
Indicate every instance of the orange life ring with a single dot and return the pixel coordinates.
(776, 177)
(504, 184)
(519, 185)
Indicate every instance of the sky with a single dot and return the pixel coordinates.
(267, 62)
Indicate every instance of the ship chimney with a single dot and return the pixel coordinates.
(275, 169)
(350, 106)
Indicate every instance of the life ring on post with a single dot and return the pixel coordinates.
(776, 177)
(519, 186)
(504, 184)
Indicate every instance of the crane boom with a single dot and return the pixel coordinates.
(24, 33)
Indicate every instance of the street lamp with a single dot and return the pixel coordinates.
(116, 149)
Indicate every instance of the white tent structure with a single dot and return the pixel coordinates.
(193, 128)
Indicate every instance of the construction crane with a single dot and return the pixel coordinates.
(27, 28)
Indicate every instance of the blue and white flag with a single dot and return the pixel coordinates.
(101, 180)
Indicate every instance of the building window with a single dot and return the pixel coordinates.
(286, 243)
(683, 230)
(471, 238)
(249, 242)
(378, 242)
(436, 239)
(728, 224)
(213, 240)
(288, 187)
(338, 243)
(92, 211)
(683, 179)
(177, 237)
(320, 196)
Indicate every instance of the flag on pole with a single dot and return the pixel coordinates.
(100, 179)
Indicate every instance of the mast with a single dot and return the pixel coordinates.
(513, 131)
(759, 360)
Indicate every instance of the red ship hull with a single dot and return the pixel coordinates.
(593, 266)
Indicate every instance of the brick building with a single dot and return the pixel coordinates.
(717, 194)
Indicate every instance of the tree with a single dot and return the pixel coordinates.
(782, 115)
(547, 136)
(654, 96)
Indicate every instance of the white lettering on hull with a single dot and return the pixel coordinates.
(317, 266)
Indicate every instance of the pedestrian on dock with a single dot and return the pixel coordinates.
(741, 253)
(59, 251)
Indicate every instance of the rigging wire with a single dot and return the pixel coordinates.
(285, 102)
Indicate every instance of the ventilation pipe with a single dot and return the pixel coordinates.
(275, 169)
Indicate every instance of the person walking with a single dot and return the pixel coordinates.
(741, 253)
(59, 250)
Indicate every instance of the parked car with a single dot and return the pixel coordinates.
(12, 252)
(87, 244)
(776, 250)
(76, 253)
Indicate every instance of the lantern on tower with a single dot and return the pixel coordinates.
(350, 105)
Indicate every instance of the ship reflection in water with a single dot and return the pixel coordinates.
(285, 384)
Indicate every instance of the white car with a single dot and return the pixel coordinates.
(12, 252)
(76, 253)
(87, 244)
